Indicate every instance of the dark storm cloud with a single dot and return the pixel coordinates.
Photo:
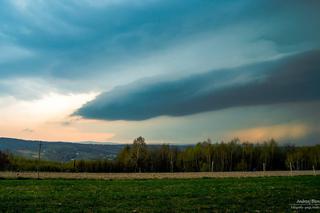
(78, 45)
(69, 39)
(65, 36)
(290, 79)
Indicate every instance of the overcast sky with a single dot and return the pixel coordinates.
(171, 71)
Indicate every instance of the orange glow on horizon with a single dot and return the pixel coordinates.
(277, 132)
(46, 119)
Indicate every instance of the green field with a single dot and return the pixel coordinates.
(166, 195)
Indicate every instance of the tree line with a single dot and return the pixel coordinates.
(203, 157)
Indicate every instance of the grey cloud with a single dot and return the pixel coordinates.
(290, 79)
(72, 39)
(76, 46)
(28, 130)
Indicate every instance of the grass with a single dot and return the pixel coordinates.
(271, 194)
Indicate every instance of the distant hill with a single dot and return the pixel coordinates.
(60, 151)
(65, 151)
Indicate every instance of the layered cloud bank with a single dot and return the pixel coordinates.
(80, 45)
(171, 71)
(289, 79)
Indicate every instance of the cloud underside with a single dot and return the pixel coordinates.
(289, 79)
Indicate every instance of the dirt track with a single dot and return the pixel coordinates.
(185, 175)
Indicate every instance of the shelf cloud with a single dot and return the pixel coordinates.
(289, 79)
